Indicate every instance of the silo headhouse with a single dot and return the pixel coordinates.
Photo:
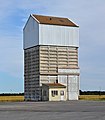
(50, 58)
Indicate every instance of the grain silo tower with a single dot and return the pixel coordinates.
(50, 55)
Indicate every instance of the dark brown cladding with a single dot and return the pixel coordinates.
(54, 20)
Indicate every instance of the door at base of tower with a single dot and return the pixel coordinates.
(72, 85)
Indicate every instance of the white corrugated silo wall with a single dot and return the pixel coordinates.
(30, 33)
(73, 85)
(58, 35)
(41, 34)
(71, 82)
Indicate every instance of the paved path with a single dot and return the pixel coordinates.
(70, 110)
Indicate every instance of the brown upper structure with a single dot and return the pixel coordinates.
(54, 20)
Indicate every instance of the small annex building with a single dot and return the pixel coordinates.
(54, 92)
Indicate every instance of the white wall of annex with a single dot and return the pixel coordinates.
(30, 33)
(58, 35)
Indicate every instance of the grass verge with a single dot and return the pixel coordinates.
(21, 98)
(11, 98)
(92, 97)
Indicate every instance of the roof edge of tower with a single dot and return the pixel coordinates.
(34, 18)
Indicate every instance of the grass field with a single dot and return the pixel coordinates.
(11, 98)
(21, 98)
(92, 97)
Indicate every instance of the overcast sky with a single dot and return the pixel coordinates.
(88, 14)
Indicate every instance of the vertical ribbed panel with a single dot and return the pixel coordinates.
(58, 35)
(31, 34)
(72, 84)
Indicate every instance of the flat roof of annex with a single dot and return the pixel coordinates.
(54, 85)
